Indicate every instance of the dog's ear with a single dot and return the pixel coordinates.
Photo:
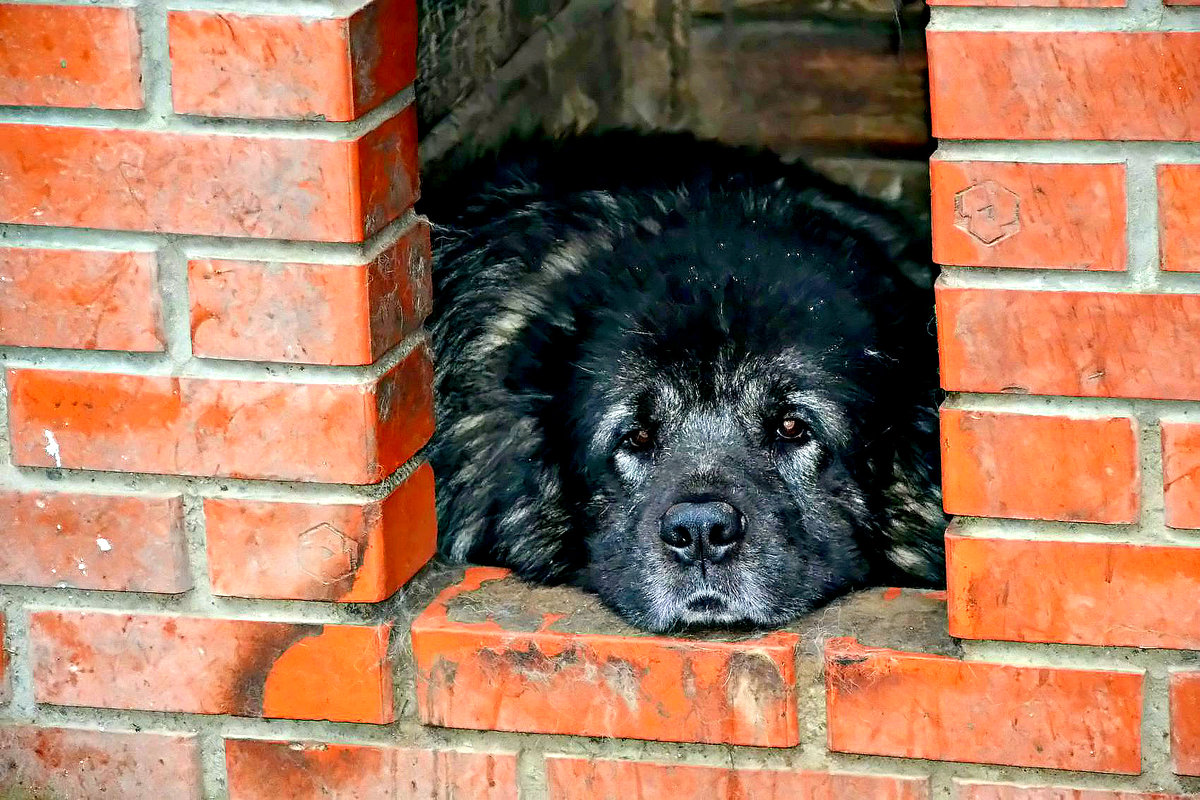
(904, 241)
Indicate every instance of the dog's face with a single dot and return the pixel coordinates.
(721, 441)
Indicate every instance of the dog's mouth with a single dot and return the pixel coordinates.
(706, 604)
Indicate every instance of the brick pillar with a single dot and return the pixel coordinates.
(1066, 214)
(212, 285)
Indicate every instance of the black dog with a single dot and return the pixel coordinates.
(691, 378)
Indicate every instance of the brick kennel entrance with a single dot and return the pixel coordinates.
(211, 291)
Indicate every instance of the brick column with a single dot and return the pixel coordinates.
(1066, 213)
(212, 285)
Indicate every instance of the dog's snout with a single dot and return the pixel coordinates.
(701, 531)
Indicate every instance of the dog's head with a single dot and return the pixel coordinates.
(730, 412)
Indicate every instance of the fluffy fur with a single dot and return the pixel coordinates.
(627, 325)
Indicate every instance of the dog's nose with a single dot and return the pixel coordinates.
(701, 531)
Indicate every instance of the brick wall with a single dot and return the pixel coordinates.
(211, 289)
(212, 285)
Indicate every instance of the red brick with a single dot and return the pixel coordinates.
(264, 770)
(238, 65)
(1040, 467)
(1179, 217)
(311, 313)
(340, 433)
(92, 541)
(86, 299)
(1005, 214)
(482, 675)
(1181, 473)
(912, 705)
(1084, 344)
(1065, 85)
(1185, 722)
(222, 185)
(69, 56)
(602, 779)
(1097, 593)
(78, 763)
(212, 666)
(1004, 791)
(317, 551)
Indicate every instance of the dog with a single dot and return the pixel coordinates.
(691, 378)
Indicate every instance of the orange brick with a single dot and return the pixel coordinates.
(86, 299)
(1040, 467)
(1185, 722)
(1179, 217)
(212, 666)
(1096, 593)
(1083, 344)
(69, 56)
(311, 313)
(1004, 214)
(222, 185)
(317, 551)
(1181, 468)
(265, 770)
(481, 675)
(1065, 85)
(603, 779)
(340, 433)
(911, 705)
(1004, 791)
(74, 762)
(91, 541)
(238, 65)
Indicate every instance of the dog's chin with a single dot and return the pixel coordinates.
(705, 611)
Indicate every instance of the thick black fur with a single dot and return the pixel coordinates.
(590, 288)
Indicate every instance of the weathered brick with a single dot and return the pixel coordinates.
(1185, 722)
(357, 553)
(1027, 466)
(1065, 85)
(786, 85)
(77, 763)
(246, 668)
(217, 184)
(265, 770)
(1098, 593)
(1006, 214)
(604, 779)
(1084, 344)
(969, 790)
(257, 65)
(481, 674)
(69, 56)
(92, 541)
(1179, 217)
(1181, 473)
(86, 299)
(912, 705)
(311, 313)
(342, 433)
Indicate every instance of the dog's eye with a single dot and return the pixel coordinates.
(640, 439)
(791, 430)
